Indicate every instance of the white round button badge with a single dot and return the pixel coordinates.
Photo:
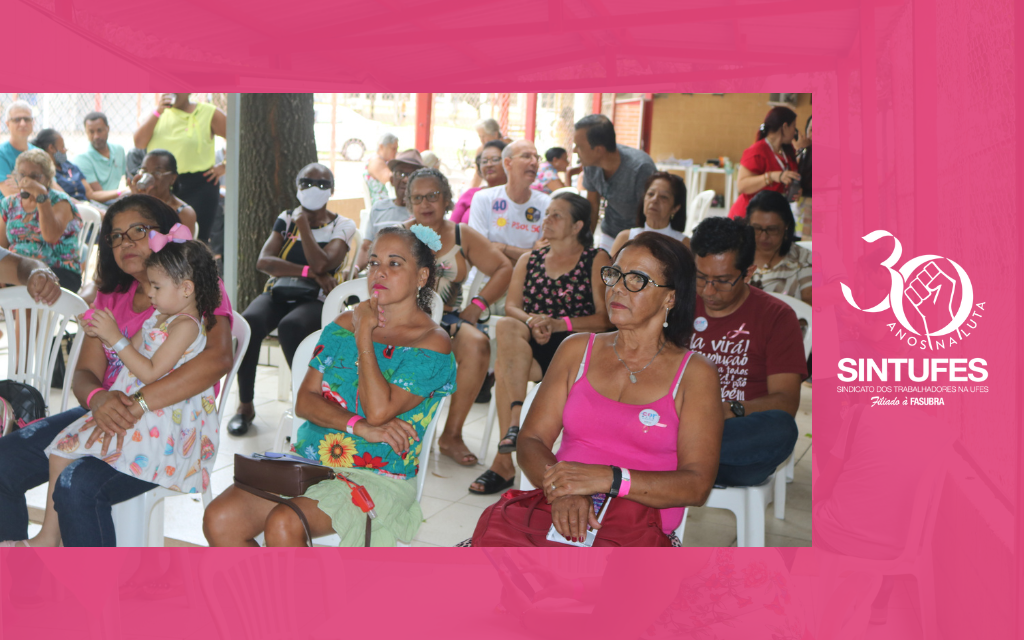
(700, 323)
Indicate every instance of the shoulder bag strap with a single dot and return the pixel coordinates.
(302, 517)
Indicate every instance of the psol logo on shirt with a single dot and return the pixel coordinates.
(940, 293)
(532, 215)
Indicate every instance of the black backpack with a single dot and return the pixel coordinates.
(26, 402)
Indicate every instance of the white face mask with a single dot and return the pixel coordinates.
(313, 198)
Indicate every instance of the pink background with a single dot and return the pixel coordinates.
(917, 104)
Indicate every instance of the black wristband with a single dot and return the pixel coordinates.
(616, 481)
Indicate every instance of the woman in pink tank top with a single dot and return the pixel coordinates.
(635, 402)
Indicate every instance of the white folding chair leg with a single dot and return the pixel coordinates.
(790, 468)
(153, 527)
(755, 517)
(284, 375)
(130, 522)
(782, 477)
(492, 416)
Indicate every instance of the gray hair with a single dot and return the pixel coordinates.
(18, 104)
(489, 125)
(387, 139)
(39, 157)
(507, 152)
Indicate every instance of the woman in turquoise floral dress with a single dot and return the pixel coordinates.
(377, 376)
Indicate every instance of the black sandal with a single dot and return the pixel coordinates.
(493, 483)
(512, 434)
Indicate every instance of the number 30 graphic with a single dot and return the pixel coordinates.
(926, 287)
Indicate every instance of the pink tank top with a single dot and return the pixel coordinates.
(641, 437)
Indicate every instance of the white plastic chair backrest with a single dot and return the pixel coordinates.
(428, 445)
(353, 251)
(334, 304)
(475, 285)
(367, 196)
(806, 244)
(698, 210)
(35, 345)
(87, 237)
(241, 332)
(572, 190)
(803, 312)
(436, 307)
(300, 365)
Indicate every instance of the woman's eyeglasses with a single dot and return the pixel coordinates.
(433, 196)
(306, 183)
(135, 233)
(486, 161)
(771, 232)
(634, 281)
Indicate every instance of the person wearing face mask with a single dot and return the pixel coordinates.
(67, 174)
(306, 247)
(770, 163)
(187, 129)
(158, 177)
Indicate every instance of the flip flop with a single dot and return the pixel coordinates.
(513, 434)
(460, 458)
(493, 483)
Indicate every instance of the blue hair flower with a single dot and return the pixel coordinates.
(427, 236)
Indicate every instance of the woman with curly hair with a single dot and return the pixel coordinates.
(85, 492)
(377, 376)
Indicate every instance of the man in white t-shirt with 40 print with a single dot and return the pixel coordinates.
(509, 215)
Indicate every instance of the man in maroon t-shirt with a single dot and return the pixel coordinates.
(755, 340)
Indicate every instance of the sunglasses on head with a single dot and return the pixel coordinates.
(306, 183)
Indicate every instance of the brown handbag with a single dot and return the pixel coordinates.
(271, 478)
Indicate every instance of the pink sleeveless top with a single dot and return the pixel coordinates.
(641, 437)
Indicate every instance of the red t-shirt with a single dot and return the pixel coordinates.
(759, 339)
(759, 159)
(120, 304)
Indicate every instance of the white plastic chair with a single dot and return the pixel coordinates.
(526, 485)
(806, 244)
(572, 190)
(140, 521)
(36, 343)
(698, 210)
(87, 237)
(303, 354)
(748, 504)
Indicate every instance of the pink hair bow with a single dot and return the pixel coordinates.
(178, 233)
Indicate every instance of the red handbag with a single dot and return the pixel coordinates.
(523, 518)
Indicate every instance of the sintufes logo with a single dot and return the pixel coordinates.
(931, 291)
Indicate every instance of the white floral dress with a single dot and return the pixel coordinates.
(173, 447)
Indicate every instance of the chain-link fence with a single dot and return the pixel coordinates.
(65, 112)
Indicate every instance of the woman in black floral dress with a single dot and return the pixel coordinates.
(549, 298)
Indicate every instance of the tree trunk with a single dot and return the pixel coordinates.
(276, 131)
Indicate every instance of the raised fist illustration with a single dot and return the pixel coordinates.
(931, 292)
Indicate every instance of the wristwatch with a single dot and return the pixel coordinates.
(737, 408)
(41, 198)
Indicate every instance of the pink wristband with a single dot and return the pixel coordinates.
(480, 303)
(351, 426)
(88, 399)
(568, 323)
(156, 112)
(305, 271)
(624, 485)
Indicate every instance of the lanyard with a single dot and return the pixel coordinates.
(783, 164)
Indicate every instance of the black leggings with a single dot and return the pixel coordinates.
(293, 320)
(203, 196)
